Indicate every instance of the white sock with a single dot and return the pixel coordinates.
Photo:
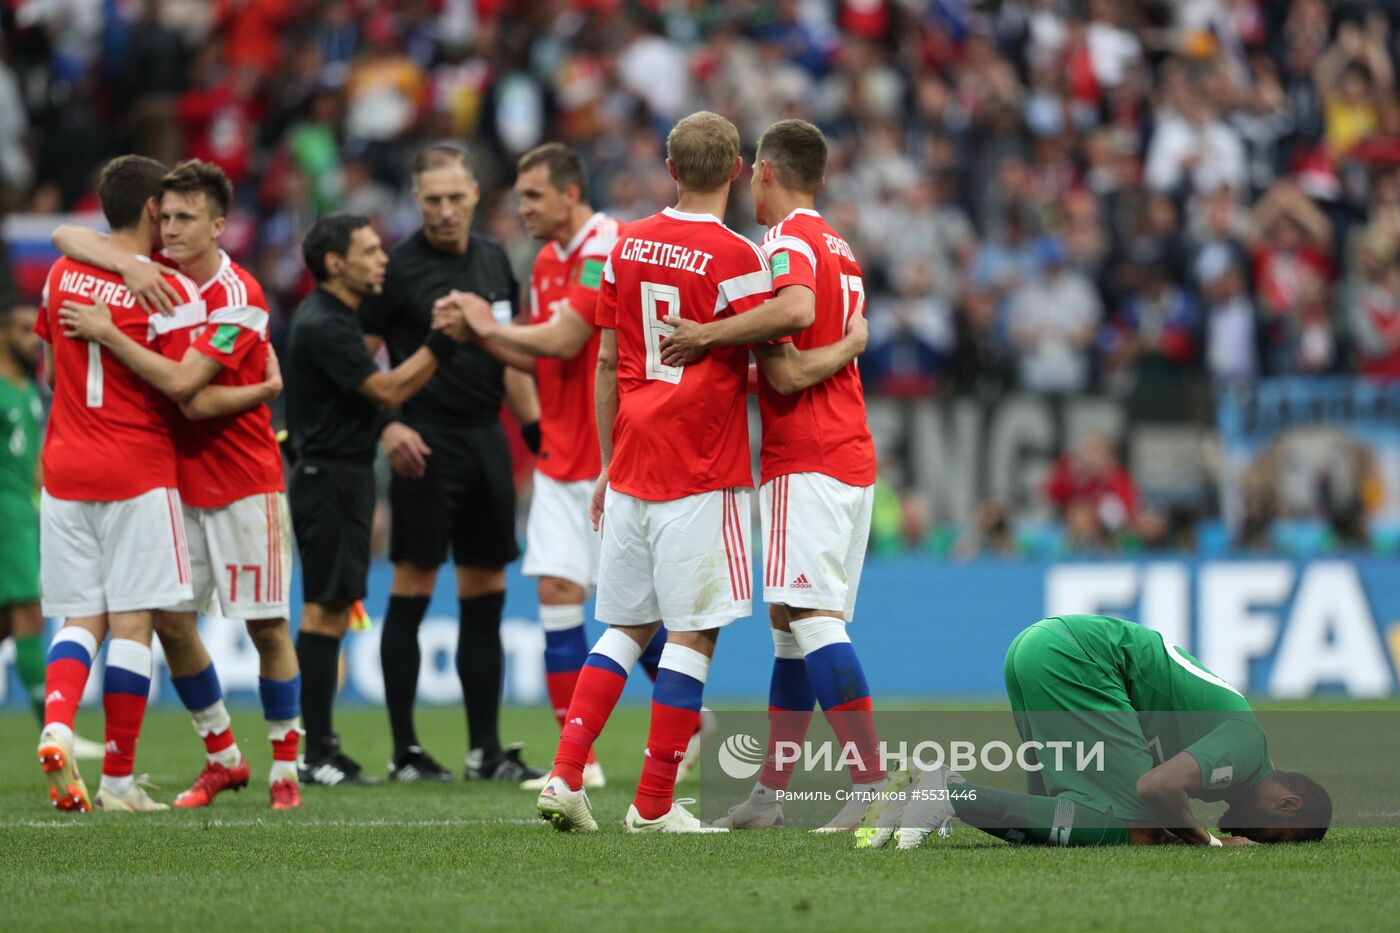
(868, 791)
(60, 731)
(561, 618)
(763, 794)
(277, 730)
(117, 785)
(213, 720)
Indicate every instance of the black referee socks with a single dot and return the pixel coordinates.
(319, 657)
(479, 667)
(400, 658)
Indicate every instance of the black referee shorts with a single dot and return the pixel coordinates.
(332, 507)
(465, 502)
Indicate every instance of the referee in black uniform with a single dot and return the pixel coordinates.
(452, 487)
(335, 397)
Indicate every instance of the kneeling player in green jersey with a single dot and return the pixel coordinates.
(1171, 731)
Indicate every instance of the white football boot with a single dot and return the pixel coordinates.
(66, 788)
(676, 820)
(133, 800)
(848, 818)
(753, 812)
(593, 779)
(566, 810)
(927, 811)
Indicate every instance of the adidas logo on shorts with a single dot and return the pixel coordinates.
(801, 583)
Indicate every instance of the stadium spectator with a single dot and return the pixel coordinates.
(1093, 492)
(1374, 307)
(1231, 324)
(1053, 319)
(961, 135)
(912, 337)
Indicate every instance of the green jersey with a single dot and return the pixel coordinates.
(1181, 705)
(21, 414)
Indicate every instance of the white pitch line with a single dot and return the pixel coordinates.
(80, 821)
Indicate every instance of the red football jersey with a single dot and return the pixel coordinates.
(823, 428)
(222, 460)
(569, 451)
(680, 430)
(109, 434)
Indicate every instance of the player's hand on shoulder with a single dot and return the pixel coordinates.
(272, 373)
(84, 321)
(858, 331)
(152, 290)
(405, 450)
(685, 344)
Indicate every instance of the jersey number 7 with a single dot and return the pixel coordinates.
(658, 301)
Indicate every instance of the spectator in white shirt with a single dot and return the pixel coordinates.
(1053, 321)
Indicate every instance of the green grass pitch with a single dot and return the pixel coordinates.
(472, 856)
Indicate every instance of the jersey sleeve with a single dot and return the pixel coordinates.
(748, 285)
(1233, 754)
(588, 282)
(41, 322)
(169, 334)
(605, 311)
(231, 335)
(341, 355)
(791, 261)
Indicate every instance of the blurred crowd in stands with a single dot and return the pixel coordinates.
(1153, 201)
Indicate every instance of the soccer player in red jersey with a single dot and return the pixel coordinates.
(230, 475)
(818, 473)
(112, 545)
(559, 346)
(672, 499)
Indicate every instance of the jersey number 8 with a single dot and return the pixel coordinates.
(658, 301)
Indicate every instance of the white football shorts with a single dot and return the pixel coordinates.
(126, 555)
(242, 551)
(559, 536)
(815, 530)
(685, 562)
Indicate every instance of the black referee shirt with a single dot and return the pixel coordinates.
(470, 386)
(327, 418)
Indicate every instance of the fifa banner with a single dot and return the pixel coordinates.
(1312, 448)
(924, 628)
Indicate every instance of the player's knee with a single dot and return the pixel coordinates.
(779, 617)
(555, 591)
(329, 619)
(480, 581)
(269, 635)
(414, 580)
(174, 629)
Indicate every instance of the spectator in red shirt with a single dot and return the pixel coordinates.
(1090, 474)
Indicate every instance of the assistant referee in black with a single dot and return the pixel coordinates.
(452, 488)
(335, 402)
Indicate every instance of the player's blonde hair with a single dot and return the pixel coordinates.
(703, 147)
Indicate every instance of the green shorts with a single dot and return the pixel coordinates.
(1059, 694)
(19, 551)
